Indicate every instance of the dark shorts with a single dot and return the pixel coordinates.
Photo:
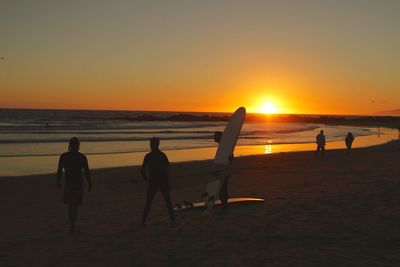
(73, 197)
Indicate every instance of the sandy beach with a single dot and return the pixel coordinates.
(268, 82)
(332, 211)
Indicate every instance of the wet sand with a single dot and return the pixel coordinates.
(335, 211)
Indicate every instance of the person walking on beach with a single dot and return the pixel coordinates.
(320, 140)
(155, 172)
(223, 193)
(349, 141)
(74, 164)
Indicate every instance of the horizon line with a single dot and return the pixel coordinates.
(182, 111)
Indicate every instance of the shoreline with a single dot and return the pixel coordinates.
(11, 166)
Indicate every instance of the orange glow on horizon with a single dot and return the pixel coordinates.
(268, 108)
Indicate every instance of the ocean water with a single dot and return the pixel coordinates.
(46, 132)
(32, 135)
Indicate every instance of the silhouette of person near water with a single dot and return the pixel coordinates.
(223, 193)
(399, 132)
(75, 165)
(320, 140)
(399, 139)
(349, 142)
(155, 172)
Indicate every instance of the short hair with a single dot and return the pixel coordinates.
(322, 131)
(73, 143)
(154, 141)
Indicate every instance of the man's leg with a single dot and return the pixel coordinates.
(151, 191)
(167, 199)
(72, 215)
(223, 193)
(73, 198)
(323, 151)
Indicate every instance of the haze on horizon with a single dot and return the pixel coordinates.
(324, 57)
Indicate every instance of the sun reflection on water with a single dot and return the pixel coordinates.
(268, 148)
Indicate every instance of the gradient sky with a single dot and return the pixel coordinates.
(339, 57)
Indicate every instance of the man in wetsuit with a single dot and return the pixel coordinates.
(74, 164)
(154, 171)
(223, 193)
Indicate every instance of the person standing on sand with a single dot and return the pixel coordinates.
(399, 137)
(399, 132)
(320, 140)
(155, 172)
(74, 164)
(349, 141)
(223, 193)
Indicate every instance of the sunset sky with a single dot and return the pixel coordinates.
(335, 57)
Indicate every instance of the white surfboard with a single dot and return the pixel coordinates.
(231, 201)
(230, 136)
(222, 156)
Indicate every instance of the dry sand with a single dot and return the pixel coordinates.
(336, 211)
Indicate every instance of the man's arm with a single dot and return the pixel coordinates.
(87, 174)
(143, 169)
(166, 159)
(166, 164)
(59, 171)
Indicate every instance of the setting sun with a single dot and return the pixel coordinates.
(268, 108)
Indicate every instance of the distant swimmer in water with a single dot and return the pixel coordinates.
(155, 172)
(320, 140)
(75, 166)
(349, 142)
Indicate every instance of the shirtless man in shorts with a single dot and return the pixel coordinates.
(75, 166)
(155, 172)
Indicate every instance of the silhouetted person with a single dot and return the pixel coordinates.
(399, 137)
(74, 165)
(399, 132)
(223, 193)
(155, 172)
(320, 140)
(349, 141)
